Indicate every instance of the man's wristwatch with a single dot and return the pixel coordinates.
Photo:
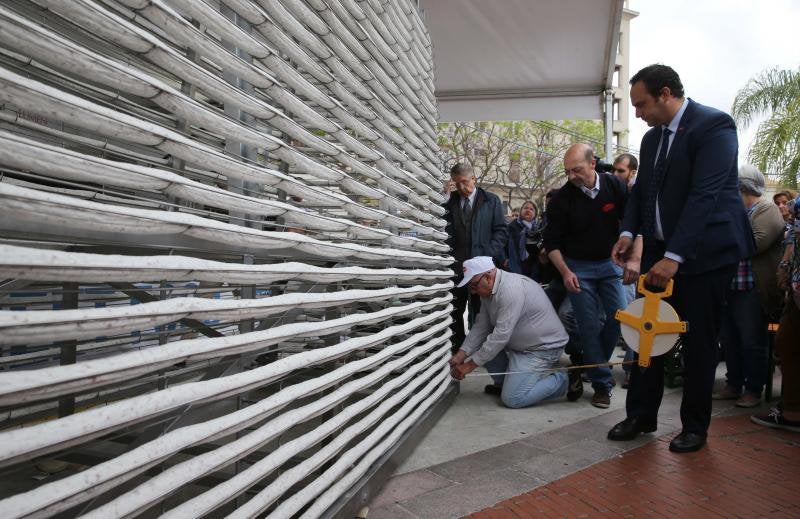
(783, 265)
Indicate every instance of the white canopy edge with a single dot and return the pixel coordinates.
(453, 108)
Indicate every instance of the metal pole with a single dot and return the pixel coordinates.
(609, 124)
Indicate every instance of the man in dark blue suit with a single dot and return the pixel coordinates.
(686, 205)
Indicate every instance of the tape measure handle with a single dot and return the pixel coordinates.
(660, 295)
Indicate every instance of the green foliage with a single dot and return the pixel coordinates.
(517, 160)
(776, 147)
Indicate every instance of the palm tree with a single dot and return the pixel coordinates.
(776, 148)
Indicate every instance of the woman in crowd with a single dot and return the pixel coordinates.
(782, 199)
(753, 297)
(786, 415)
(523, 251)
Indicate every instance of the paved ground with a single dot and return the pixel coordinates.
(474, 413)
(479, 455)
(746, 471)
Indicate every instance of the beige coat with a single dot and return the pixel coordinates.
(768, 227)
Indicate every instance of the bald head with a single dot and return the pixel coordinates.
(579, 165)
(580, 150)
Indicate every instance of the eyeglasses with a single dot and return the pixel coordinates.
(474, 284)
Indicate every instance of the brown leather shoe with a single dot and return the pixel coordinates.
(601, 399)
(575, 387)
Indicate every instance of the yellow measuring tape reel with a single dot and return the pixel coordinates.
(650, 326)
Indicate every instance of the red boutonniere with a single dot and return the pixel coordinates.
(680, 129)
(608, 207)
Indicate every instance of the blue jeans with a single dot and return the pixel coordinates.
(744, 341)
(630, 295)
(527, 389)
(601, 295)
(557, 295)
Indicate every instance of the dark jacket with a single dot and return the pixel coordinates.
(516, 245)
(488, 230)
(702, 215)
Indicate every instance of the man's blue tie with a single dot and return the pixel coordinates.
(653, 187)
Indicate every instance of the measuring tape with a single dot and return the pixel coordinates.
(650, 326)
(544, 370)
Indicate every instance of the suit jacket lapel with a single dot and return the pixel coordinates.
(679, 134)
(479, 199)
(455, 208)
(648, 157)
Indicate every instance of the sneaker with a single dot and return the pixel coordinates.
(493, 389)
(727, 393)
(748, 400)
(776, 420)
(575, 387)
(601, 399)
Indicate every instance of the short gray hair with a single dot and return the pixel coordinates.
(751, 180)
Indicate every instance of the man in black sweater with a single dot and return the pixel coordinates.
(584, 219)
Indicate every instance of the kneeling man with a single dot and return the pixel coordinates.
(517, 330)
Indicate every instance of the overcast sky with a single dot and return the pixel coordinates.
(715, 46)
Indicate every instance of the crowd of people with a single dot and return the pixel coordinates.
(539, 286)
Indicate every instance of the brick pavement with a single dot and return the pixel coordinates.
(745, 471)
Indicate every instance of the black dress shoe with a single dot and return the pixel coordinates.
(575, 386)
(493, 389)
(630, 428)
(687, 442)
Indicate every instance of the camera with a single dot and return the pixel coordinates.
(535, 237)
(602, 167)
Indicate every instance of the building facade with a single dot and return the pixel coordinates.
(621, 104)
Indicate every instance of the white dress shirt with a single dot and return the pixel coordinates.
(471, 199)
(592, 193)
(672, 127)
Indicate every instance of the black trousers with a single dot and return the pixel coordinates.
(698, 299)
(461, 297)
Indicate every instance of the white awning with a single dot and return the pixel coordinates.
(521, 59)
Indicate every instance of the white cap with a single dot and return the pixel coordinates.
(476, 266)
